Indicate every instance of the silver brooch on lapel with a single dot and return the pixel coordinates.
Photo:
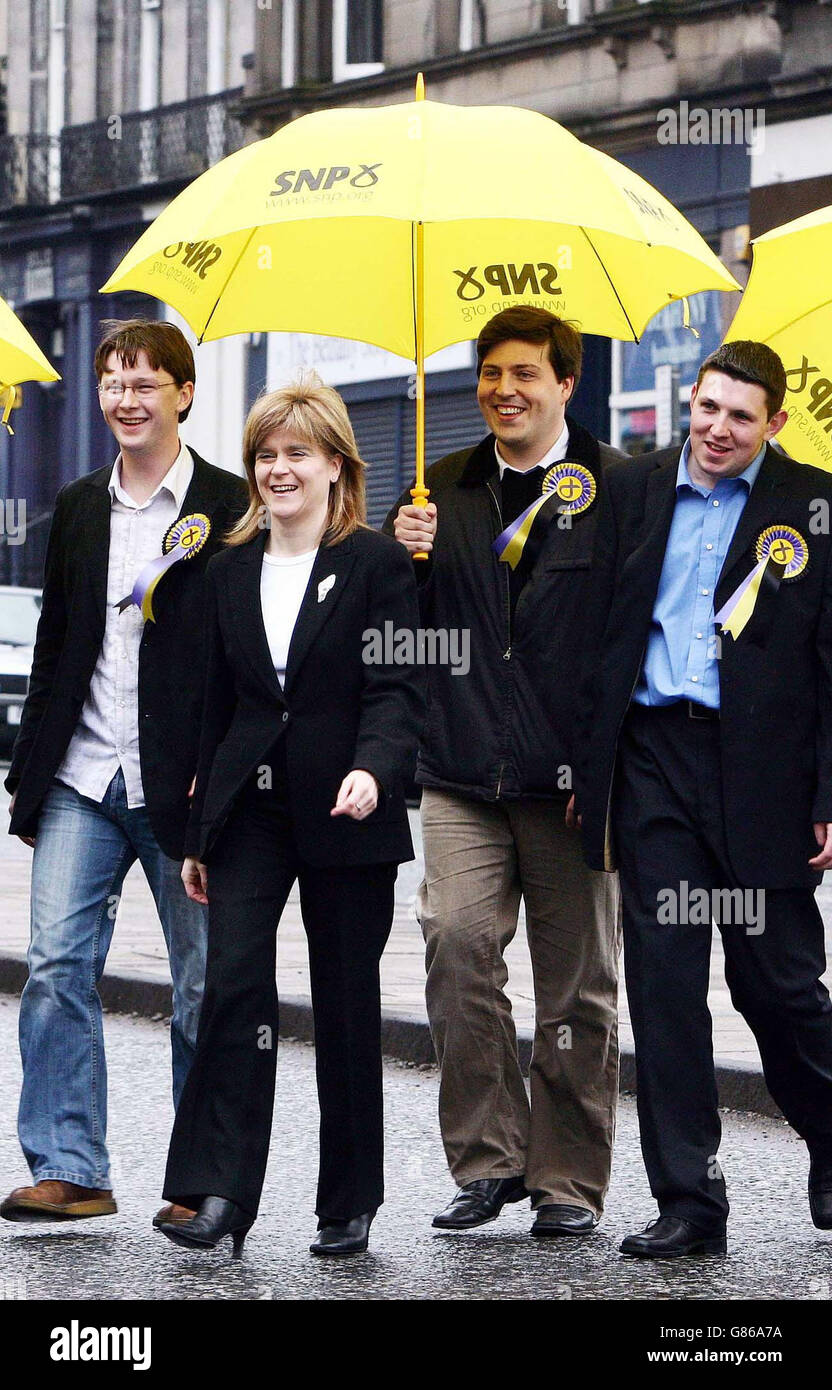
(325, 586)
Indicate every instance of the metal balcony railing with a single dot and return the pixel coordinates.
(167, 145)
(29, 170)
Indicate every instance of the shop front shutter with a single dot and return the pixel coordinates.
(376, 425)
(386, 434)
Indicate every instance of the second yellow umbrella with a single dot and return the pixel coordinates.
(20, 360)
(788, 304)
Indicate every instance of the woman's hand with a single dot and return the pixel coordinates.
(357, 796)
(195, 878)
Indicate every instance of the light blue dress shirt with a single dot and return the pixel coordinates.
(680, 662)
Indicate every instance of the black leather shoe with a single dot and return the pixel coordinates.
(558, 1219)
(820, 1197)
(216, 1218)
(478, 1202)
(342, 1237)
(670, 1236)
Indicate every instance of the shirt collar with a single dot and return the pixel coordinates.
(176, 481)
(554, 455)
(748, 476)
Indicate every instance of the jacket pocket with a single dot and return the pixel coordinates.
(566, 562)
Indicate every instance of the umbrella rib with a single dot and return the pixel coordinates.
(636, 338)
(225, 284)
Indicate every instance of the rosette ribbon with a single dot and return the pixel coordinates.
(782, 554)
(574, 486)
(184, 539)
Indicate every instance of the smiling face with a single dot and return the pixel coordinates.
(729, 424)
(522, 401)
(144, 420)
(293, 478)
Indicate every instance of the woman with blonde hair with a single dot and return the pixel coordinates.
(307, 747)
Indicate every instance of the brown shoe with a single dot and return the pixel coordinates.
(51, 1200)
(172, 1215)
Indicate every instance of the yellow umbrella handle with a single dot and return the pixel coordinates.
(10, 393)
(420, 493)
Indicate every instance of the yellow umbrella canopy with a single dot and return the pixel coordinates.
(409, 226)
(313, 229)
(20, 360)
(788, 304)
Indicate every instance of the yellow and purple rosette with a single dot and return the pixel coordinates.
(183, 541)
(782, 554)
(575, 488)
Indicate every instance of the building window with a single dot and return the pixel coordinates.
(472, 29)
(216, 77)
(197, 47)
(356, 38)
(104, 37)
(289, 44)
(558, 12)
(639, 401)
(150, 54)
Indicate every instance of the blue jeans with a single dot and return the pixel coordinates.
(83, 851)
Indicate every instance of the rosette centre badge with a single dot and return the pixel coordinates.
(784, 547)
(780, 550)
(575, 488)
(573, 484)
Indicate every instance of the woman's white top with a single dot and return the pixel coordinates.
(283, 584)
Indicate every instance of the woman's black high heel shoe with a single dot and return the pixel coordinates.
(216, 1218)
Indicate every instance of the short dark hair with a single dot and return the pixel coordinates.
(745, 360)
(166, 346)
(533, 325)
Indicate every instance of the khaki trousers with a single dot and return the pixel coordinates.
(480, 858)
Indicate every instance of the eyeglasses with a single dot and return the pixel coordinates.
(145, 389)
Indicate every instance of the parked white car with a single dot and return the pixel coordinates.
(19, 613)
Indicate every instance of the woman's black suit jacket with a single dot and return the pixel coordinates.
(337, 711)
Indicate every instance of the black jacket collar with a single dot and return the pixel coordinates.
(203, 487)
(481, 465)
(660, 502)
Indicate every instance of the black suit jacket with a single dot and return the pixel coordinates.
(505, 729)
(775, 678)
(337, 712)
(171, 657)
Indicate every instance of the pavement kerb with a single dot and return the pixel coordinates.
(404, 1038)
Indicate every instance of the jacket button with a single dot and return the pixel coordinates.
(285, 715)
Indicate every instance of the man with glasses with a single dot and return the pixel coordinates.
(107, 748)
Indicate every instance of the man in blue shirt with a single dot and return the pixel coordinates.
(706, 772)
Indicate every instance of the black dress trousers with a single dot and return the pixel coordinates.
(670, 838)
(220, 1140)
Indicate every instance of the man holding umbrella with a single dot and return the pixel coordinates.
(508, 537)
(706, 772)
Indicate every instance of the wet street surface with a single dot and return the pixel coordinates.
(774, 1251)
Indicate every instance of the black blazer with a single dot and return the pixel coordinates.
(336, 713)
(171, 657)
(775, 679)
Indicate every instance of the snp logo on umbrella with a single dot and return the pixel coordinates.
(301, 181)
(197, 256)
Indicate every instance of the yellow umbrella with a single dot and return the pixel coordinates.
(788, 304)
(20, 360)
(408, 226)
